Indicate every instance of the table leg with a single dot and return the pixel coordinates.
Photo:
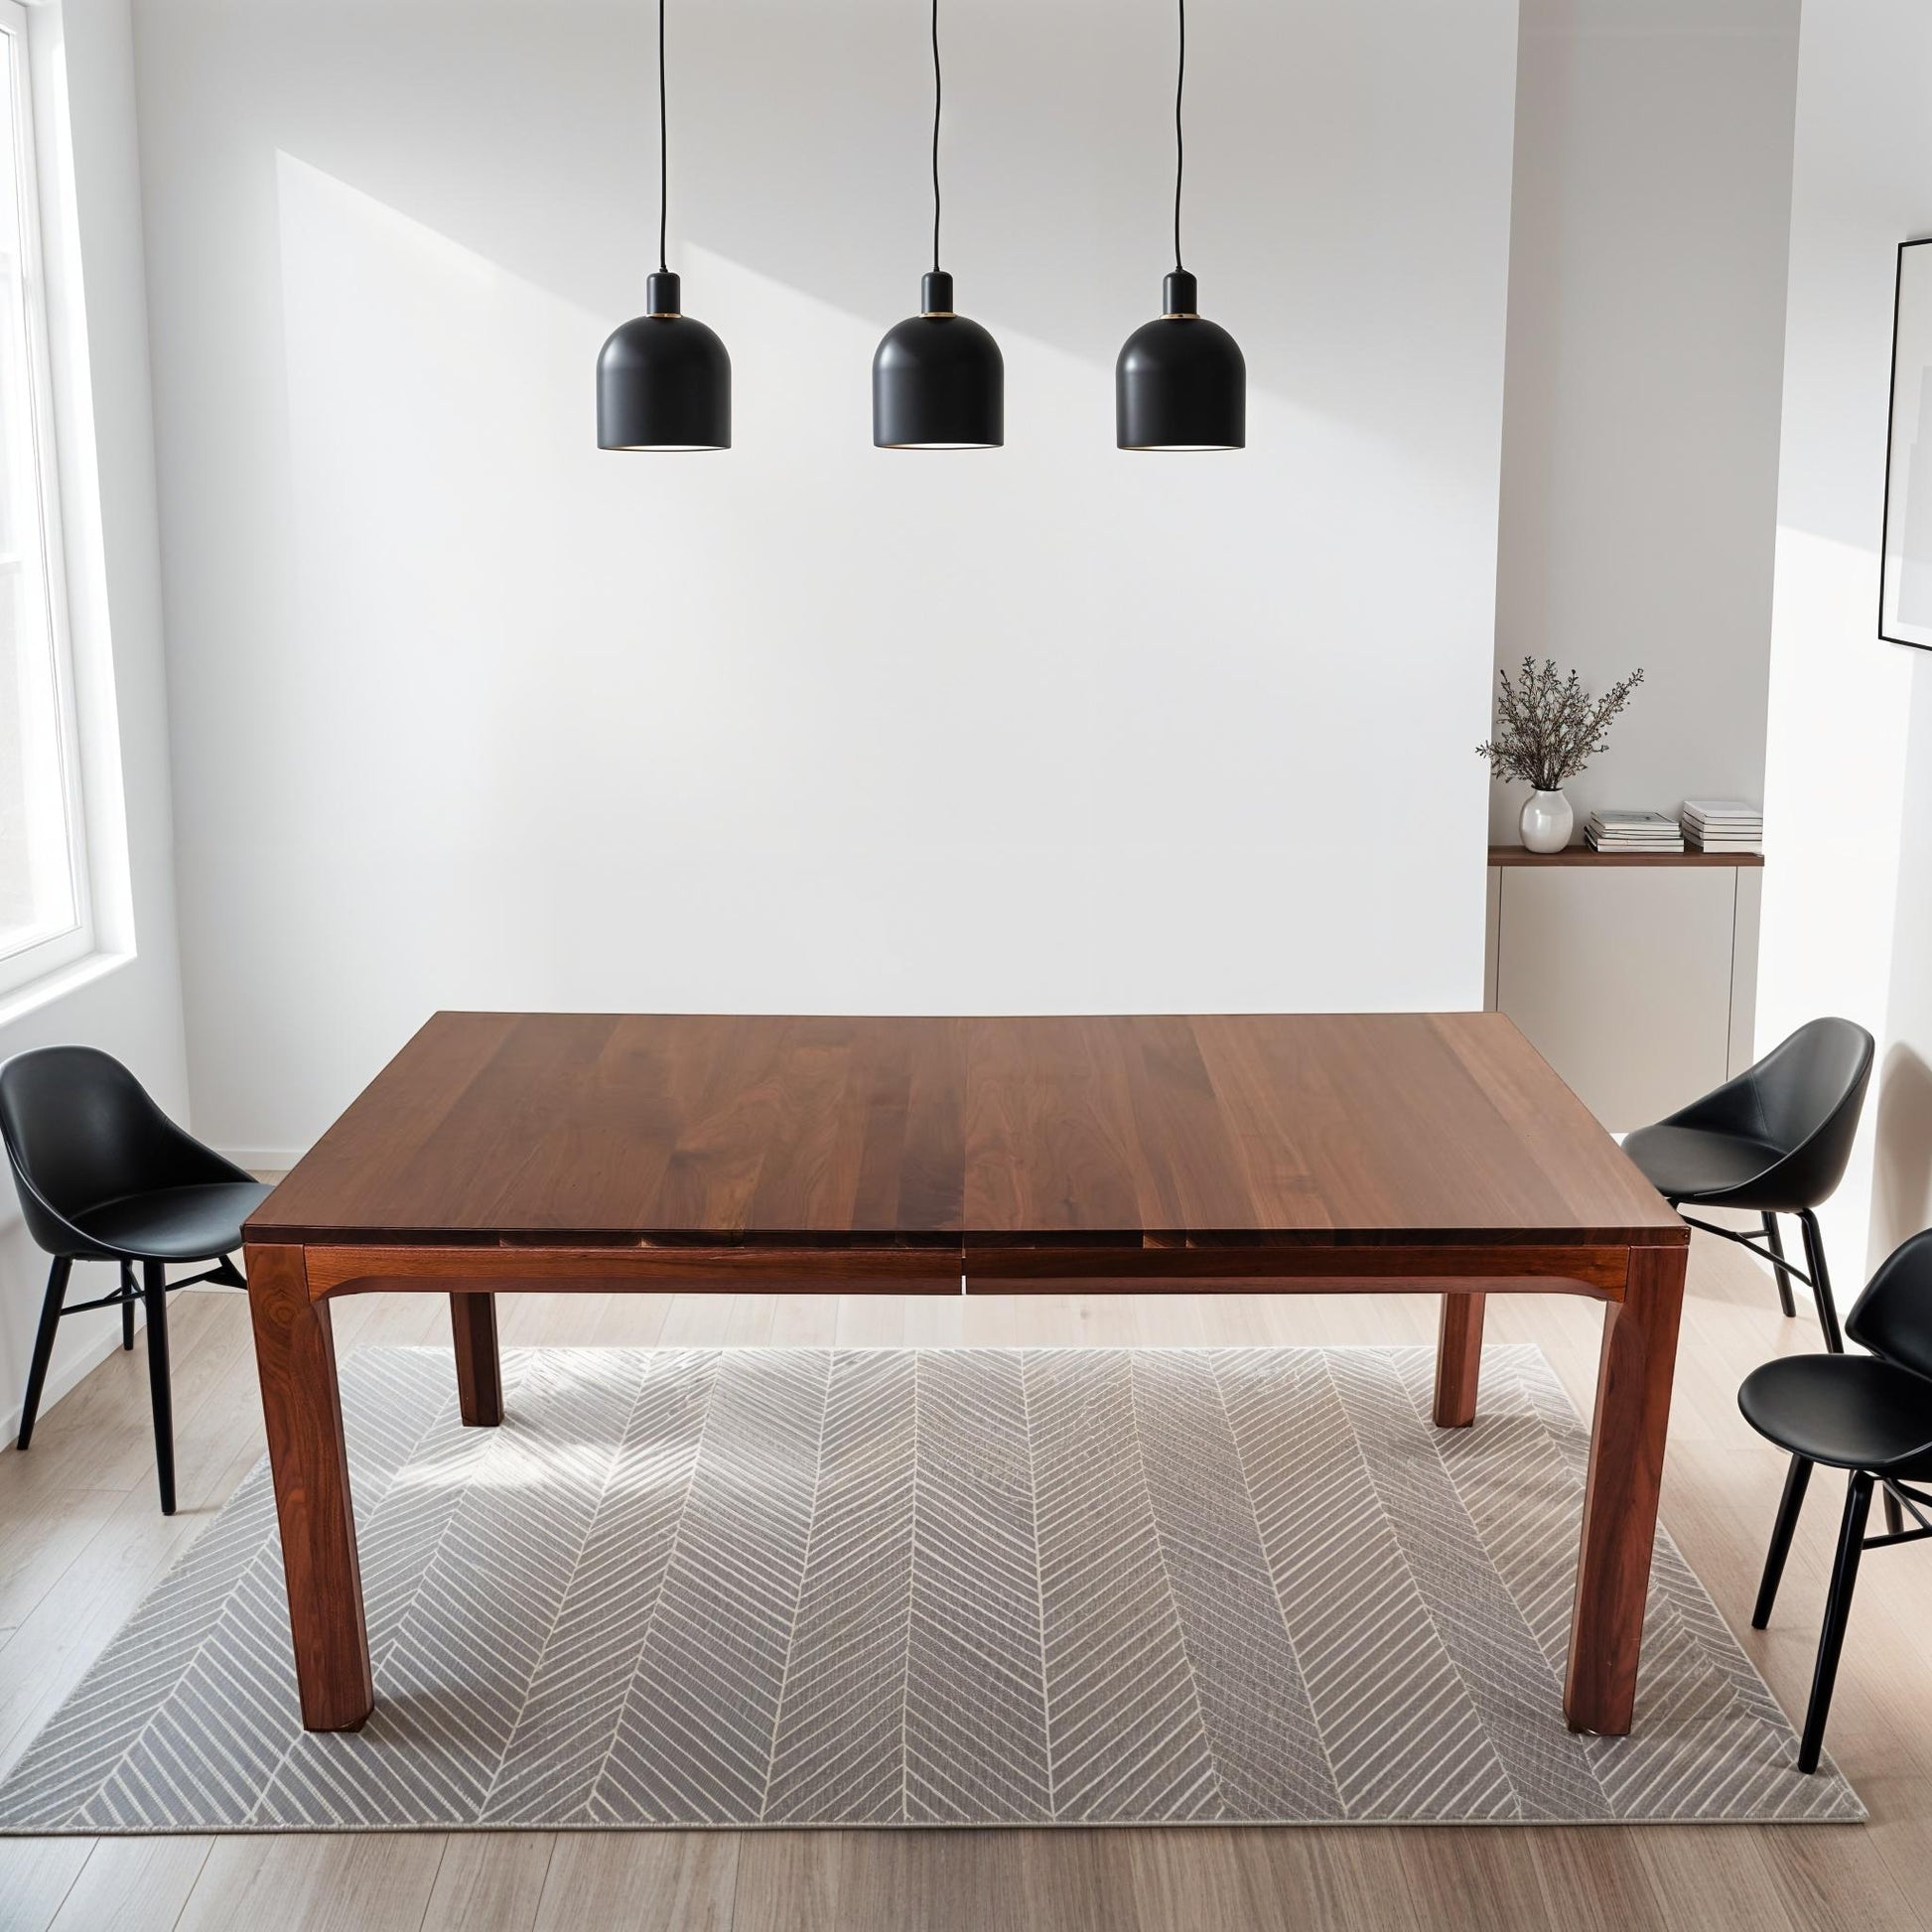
(479, 1372)
(1626, 1468)
(1458, 1360)
(295, 1354)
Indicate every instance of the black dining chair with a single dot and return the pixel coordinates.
(104, 1174)
(1868, 1415)
(1773, 1141)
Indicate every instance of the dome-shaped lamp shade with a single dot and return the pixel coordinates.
(1180, 382)
(663, 380)
(938, 381)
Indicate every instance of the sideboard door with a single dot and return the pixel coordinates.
(1623, 978)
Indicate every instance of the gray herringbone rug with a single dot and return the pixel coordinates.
(806, 1587)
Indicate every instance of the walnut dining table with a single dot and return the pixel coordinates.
(1292, 1154)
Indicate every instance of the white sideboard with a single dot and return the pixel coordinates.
(1634, 975)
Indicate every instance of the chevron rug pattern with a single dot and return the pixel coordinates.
(951, 1587)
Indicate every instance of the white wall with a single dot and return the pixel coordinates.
(466, 713)
(83, 51)
(1640, 426)
(1848, 776)
(1901, 1194)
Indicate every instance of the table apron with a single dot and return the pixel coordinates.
(1368, 1269)
(661, 1270)
(1599, 1271)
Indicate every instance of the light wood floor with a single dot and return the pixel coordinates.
(81, 1541)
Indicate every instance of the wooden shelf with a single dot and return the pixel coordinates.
(1582, 855)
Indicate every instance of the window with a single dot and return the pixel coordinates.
(44, 909)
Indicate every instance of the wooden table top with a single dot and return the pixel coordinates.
(1317, 1129)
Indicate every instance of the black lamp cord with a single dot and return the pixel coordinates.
(663, 150)
(1180, 150)
(936, 96)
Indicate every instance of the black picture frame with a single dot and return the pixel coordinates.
(1905, 575)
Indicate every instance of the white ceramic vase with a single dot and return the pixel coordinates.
(1547, 821)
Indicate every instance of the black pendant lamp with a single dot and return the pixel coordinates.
(1180, 382)
(939, 381)
(663, 380)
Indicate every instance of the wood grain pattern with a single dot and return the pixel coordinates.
(1458, 1360)
(301, 1884)
(1627, 1472)
(295, 1356)
(576, 1129)
(1008, 1154)
(648, 1881)
(1373, 1267)
(134, 1884)
(666, 1269)
(490, 1881)
(478, 1368)
(1582, 855)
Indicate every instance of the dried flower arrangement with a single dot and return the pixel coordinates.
(1547, 727)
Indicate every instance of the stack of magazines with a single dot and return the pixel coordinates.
(1610, 831)
(1724, 825)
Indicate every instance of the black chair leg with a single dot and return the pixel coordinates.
(127, 1307)
(56, 1288)
(1837, 1610)
(1895, 1514)
(1775, 1241)
(1821, 1281)
(154, 1291)
(1795, 1481)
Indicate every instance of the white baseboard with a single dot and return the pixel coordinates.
(66, 1376)
(264, 1160)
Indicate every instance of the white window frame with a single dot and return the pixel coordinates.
(58, 950)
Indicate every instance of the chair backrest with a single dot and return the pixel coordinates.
(1809, 1092)
(1893, 1317)
(79, 1130)
(1808, 1078)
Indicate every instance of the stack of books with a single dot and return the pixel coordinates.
(1610, 831)
(1722, 825)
